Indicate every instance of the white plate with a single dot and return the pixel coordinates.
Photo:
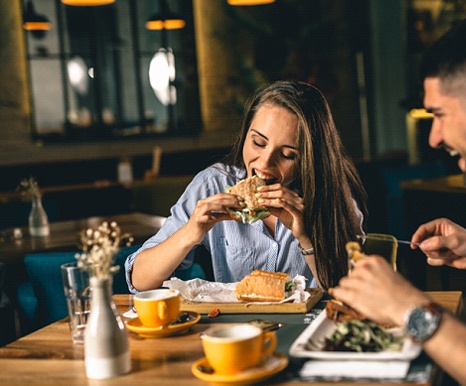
(322, 327)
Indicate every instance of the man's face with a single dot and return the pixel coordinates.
(449, 123)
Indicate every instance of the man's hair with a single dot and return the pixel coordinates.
(446, 59)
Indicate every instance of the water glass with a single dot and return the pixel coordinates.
(78, 298)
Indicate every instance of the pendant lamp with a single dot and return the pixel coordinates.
(32, 21)
(165, 19)
(250, 2)
(87, 3)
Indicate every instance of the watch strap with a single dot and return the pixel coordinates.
(305, 252)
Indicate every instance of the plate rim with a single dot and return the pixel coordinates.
(410, 351)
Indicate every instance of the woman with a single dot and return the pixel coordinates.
(313, 192)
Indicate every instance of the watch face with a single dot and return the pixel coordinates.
(422, 323)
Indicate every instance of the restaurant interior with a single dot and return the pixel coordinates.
(112, 114)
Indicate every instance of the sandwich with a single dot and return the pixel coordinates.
(264, 286)
(336, 309)
(253, 211)
(355, 253)
(340, 312)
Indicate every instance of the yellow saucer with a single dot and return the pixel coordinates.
(136, 326)
(271, 365)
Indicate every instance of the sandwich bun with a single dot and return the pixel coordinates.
(263, 286)
(340, 312)
(253, 211)
(355, 253)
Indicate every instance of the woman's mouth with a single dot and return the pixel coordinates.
(269, 179)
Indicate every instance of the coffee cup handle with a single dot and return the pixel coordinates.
(162, 308)
(270, 342)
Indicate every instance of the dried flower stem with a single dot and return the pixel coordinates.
(99, 247)
(29, 188)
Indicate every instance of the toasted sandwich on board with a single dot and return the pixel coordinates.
(264, 286)
(253, 211)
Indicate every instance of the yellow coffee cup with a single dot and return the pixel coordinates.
(157, 308)
(233, 348)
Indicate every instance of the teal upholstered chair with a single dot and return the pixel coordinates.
(41, 300)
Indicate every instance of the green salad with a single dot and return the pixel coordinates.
(362, 336)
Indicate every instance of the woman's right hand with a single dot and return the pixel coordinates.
(209, 211)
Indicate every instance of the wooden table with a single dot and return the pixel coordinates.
(64, 235)
(48, 357)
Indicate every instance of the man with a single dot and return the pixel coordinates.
(373, 288)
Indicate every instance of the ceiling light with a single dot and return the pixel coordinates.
(33, 21)
(250, 2)
(87, 3)
(165, 19)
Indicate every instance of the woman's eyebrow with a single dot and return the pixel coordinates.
(260, 134)
(266, 138)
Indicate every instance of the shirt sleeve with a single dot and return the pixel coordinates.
(206, 183)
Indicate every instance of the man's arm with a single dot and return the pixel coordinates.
(376, 290)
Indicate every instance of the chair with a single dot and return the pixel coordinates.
(7, 332)
(41, 299)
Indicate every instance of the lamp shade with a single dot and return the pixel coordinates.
(250, 2)
(87, 3)
(32, 21)
(165, 19)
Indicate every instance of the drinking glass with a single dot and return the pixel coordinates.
(78, 298)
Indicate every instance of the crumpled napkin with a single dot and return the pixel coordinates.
(355, 369)
(199, 290)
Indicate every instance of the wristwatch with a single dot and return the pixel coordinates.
(303, 251)
(421, 322)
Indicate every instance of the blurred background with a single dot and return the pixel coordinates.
(103, 102)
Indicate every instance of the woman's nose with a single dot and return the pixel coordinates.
(268, 158)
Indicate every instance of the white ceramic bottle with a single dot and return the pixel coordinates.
(38, 220)
(106, 347)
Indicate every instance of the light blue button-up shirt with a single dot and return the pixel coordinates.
(236, 248)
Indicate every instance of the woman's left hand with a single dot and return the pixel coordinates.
(285, 204)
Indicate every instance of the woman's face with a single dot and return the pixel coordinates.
(271, 146)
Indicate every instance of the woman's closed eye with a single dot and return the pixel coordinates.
(262, 144)
(289, 156)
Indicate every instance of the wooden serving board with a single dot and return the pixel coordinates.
(254, 308)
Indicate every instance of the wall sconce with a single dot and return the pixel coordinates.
(250, 2)
(165, 19)
(32, 21)
(87, 3)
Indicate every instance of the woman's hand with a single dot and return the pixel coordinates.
(443, 242)
(285, 204)
(208, 212)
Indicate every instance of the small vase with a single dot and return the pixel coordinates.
(38, 221)
(106, 347)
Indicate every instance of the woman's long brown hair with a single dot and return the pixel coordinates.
(328, 180)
